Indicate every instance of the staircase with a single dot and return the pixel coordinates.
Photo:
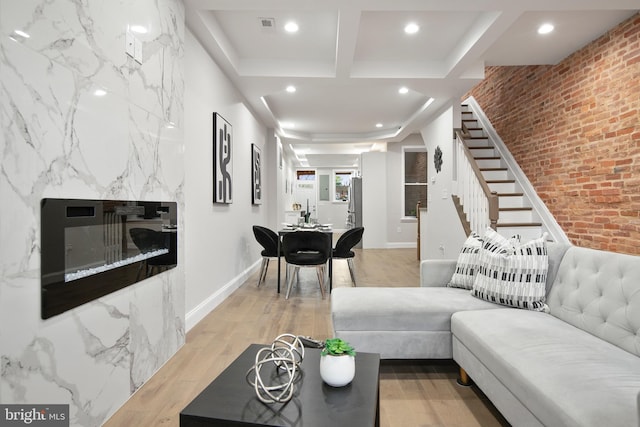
(516, 214)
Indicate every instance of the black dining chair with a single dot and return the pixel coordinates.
(343, 247)
(268, 239)
(306, 249)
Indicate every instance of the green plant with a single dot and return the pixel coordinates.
(337, 347)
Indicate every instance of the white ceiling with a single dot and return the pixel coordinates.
(350, 57)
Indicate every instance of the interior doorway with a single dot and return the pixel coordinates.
(305, 191)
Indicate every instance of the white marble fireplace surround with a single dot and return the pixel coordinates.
(59, 139)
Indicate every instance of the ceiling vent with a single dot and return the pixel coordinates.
(267, 23)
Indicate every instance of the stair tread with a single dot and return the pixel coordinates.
(515, 209)
(500, 181)
(488, 158)
(493, 169)
(480, 148)
(510, 194)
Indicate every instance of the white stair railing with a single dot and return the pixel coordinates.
(479, 203)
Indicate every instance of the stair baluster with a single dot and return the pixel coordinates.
(480, 204)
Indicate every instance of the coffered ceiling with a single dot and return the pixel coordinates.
(349, 58)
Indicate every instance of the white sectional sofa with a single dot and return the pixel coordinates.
(576, 365)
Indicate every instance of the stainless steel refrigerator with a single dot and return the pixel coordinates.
(354, 213)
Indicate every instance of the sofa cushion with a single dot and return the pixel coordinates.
(467, 263)
(400, 309)
(511, 273)
(599, 292)
(562, 374)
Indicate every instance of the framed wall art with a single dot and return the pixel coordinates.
(437, 159)
(256, 175)
(222, 160)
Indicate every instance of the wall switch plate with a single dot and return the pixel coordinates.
(130, 44)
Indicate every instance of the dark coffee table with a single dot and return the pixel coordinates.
(230, 401)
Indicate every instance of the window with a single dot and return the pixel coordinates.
(342, 184)
(306, 175)
(415, 179)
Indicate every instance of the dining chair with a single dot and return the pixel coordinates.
(148, 240)
(343, 247)
(306, 249)
(268, 239)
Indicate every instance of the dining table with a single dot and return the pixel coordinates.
(317, 228)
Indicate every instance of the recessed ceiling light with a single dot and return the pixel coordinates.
(291, 27)
(22, 34)
(291, 89)
(545, 28)
(403, 90)
(140, 29)
(378, 125)
(411, 28)
(100, 92)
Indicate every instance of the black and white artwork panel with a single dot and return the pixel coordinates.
(256, 175)
(222, 160)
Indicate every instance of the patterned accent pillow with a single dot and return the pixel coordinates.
(511, 273)
(467, 264)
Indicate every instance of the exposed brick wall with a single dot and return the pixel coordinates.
(574, 129)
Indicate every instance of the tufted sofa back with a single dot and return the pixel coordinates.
(599, 292)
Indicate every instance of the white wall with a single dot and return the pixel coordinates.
(374, 199)
(221, 250)
(333, 213)
(442, 234)
(402, 232)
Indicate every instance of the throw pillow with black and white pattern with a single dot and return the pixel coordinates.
(512, 273)
(467, 264)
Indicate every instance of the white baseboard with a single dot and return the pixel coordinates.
(402, 245)
(205, 307)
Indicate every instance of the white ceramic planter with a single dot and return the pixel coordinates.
(337, 371)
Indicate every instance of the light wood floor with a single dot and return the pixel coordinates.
(416, 393)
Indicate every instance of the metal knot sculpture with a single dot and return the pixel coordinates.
(288, 342)
(286, 353)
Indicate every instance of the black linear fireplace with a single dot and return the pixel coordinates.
(90, 248)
